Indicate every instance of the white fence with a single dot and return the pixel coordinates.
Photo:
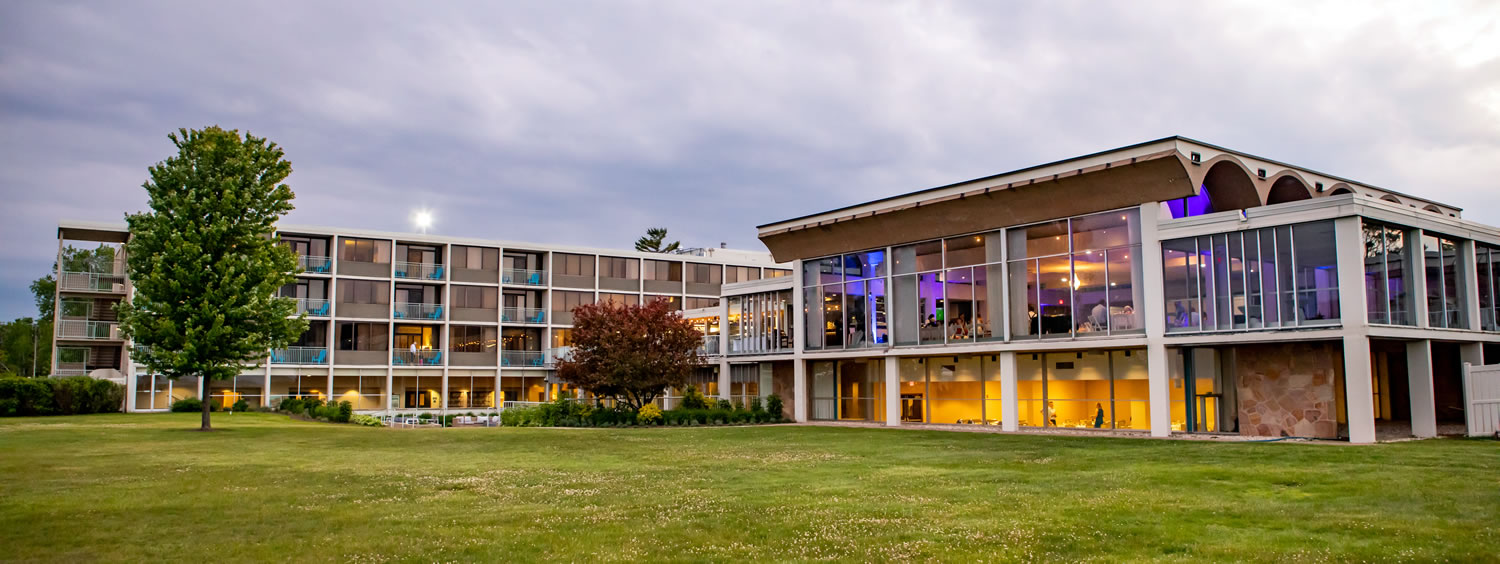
(1482, 391)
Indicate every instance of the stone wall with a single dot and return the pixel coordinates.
(1287, 389)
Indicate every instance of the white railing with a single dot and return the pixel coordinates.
(523, 277)
(408, 310)
(422, 357)
(300, 355)
(92, 282)
(312, 307)
(534, 315)
(523, 359)
(556, 354)
(419, 270)
(92, 330)
(314, 264)
(70, 371)
(710, 346)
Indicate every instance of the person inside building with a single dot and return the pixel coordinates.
(1098, 415)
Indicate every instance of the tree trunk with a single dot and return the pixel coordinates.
(206, 401)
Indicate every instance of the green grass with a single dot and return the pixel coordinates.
(149, 488)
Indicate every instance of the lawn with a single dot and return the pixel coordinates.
(149, 488)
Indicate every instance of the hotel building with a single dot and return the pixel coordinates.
(1166, 287)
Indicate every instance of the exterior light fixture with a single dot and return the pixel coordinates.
(422, 219)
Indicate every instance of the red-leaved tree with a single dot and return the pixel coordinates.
(630, 353)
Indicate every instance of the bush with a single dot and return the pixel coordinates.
(59, 396)
(291, 405)
(649, 415)
(724, 405)
(755, 406)
(774, 407)
(366, 420)
(693, 399)
(240, 405)
(187, 405)
(346, 411)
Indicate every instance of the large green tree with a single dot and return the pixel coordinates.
(204, 262)
(655, 241)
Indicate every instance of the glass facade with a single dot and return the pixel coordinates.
(1487, 259)
(1388, 273)
(1085, 390)
(1285, 276)
(759, 323)
(1445, 302)
(848, 390)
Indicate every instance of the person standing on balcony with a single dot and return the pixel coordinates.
(413, 352)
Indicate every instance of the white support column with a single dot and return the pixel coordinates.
(265, 390)
(724, 381)
(1419, 382)
(892, 391)
(1153, 308)
(1359, 399)
(1473, 353)
(1010, 404)
(799, 390)
(1417, 281)
(1468, 284)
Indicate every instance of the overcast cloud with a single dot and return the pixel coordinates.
(586, 123)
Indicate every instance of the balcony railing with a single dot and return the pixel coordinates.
(70, 371)
(533, 315)
(408, 310)
(419, 270)
(314, 264)
(523, 277)
(92, 282)
(556, 354)
(312, 307)
(91, 330)
(710, 346)
(518, 359)
(300, 355)
(422, 357)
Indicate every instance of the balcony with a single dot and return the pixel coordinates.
(710, 346)
(312, 307)
(422, 357)
(87, 330)
(300, 355)
(92, 282)
(419, 270)
(523, 277)
(418, 311)
(523, 359)
(314, 265)
(527, 315)
(556, 354)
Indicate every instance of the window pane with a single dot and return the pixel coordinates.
(833, 319)
(1376, 300)
(1091, 307)
(870, 264)
(1103, 230)
(1039, 240)
(1024, 308)
(958, 304)
(1398, 273)
(857, 322)
(987, 301)
(1317, 271)
(812, 317)
(905, 315)
(930, 307)
(1121, 268)
(1055, 311)
(929, 256)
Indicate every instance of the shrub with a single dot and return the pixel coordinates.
(240, 405)
(345, 411)
(774, 407)
(291, 405)
(693, 399)
(187, 405)
(365, 420)
(424, 416)
(649, 415)
(59, 396)
(755, 406)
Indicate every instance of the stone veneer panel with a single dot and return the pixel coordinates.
(1287, 389)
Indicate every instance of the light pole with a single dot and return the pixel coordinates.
(36, 328)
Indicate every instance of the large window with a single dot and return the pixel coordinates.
(619, 299)
(365, 388)
(472, 339)
(475, 297)
(363, 336)
(573, 265)
(1487, 259)
(476, 258)
(663, 270)
(1284, 276)
(759, 323)
(734, 274)
(704, 273)
(1444, 300)
(565, 301)
(622, 268)
(1387, 273)
(848, 390)
(365, 250)
(364, 292)
(1084, 390)
(1075, 277)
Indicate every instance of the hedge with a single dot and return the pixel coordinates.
(571, 413)
(59, 396)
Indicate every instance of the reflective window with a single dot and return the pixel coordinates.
(1487, 259)
(1252, 279)
(1386, 297)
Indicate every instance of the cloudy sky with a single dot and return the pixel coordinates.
(586, 123)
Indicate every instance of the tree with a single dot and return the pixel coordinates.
(203, 261)
(26, 347)
(630, 353)
(654, 240)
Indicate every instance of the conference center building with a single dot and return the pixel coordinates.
(1168, 287)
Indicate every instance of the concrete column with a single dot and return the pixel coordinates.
(1417, 282)
(1468, 284)
(1419, 381)
(892, 391)
(799, 390)
(1473, 353)
(390, 390)
(130, 386)
(1359, 400)
(1153, 308)
(1159, 381)
(1010, 405)
(1349, 245)
(724, 382)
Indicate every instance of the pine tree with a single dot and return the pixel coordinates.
(655, 241)
(204, 263)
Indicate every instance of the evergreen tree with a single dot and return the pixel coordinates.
(203, 261)
(655, 241)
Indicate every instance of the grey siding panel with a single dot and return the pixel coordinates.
(562, 317)
(472, 359)
(663, 287)
(353, 268)
(474, 314)
(703, 289)
(620, 284)
(573, 281)
(476, 276)
(376, 311)
(361, 357)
